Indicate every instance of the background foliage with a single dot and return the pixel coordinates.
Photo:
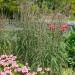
(10, 7)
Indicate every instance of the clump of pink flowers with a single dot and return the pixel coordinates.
(9, 65)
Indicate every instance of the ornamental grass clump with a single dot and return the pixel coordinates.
(37, 44)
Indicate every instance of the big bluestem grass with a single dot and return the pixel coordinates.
(34, 44)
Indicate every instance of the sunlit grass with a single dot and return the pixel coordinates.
(68, 71)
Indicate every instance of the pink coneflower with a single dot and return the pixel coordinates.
(2, 73)
(14, 64)
(24, 69)
(18, 69)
